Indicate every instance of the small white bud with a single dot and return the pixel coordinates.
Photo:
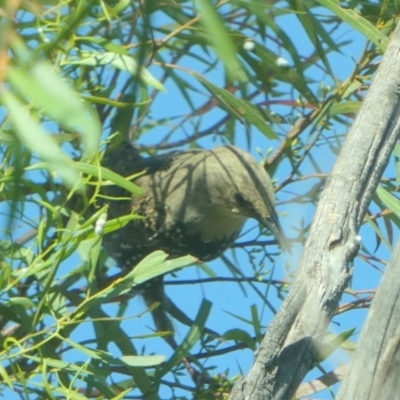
(248, 45)
(281, 62)
(100, 223)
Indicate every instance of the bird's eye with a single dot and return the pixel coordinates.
(240, 200)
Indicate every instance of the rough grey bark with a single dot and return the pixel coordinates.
(374, 371)
(290, 346)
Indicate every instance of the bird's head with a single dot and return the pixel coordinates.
(241, 186)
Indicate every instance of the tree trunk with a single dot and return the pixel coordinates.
(290, 346)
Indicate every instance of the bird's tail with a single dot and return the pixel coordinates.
(155, 298)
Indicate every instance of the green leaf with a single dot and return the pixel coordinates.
(221, 40)
(240, 108)
(105, 173)
(117, 9)
(190, 340)
(335, 342)
(119, 61)
(112, 225)
(39, 84)
(153, 265)
(99, 172)
(143, 361)
(104, 43)
(55, 363)
(266, 66)
(241, 336)
(82, 349)
(156, 264)
(5, 377)
(346, 107)
(24, 301)
(378, 231)
(122, 395)
(263, 12)
(256, 321)
(391, 201)
(357, 22)
(32, 135)
(90, 374)
(314, 31)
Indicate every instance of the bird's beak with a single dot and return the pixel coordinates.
(273, 225)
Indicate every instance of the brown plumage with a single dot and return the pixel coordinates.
(195, 202)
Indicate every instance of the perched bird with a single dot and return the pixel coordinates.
(195, 202)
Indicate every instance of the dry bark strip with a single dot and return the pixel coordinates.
(375, 369)
(290, 346)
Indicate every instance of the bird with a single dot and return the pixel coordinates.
(195, 202)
